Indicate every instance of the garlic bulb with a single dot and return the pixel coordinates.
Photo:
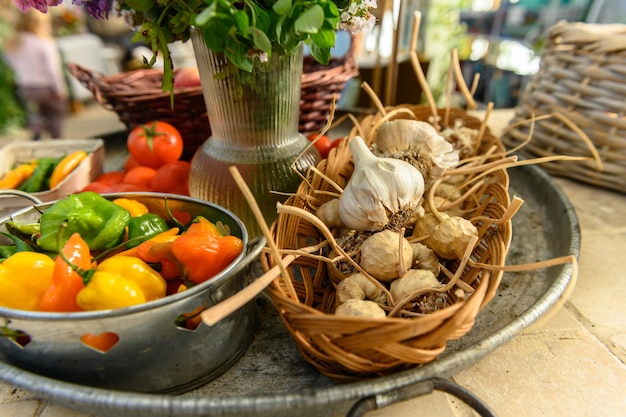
(418, 143)
(361, 308)
(372, 292)
(450, 238)
(414, 280)
(349, 289)
(381, 256)
(425, 258)
(378, 189)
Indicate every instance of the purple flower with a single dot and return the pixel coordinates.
(98, 9)
(41, 5)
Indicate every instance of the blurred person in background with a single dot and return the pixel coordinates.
(36, 61)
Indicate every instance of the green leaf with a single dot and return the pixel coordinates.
(216, 30)
(263, 18)
(281, 7)
(236, 52)
(324, 38)
(261, 41)
(242, 22)
(310, 20)
(322, 55)
(205, 15)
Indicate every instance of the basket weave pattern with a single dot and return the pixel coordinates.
(352, 348)
(582, 77)
(320, 84)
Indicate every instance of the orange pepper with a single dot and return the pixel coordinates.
(66, 282)
(154, 250)
(203, 252)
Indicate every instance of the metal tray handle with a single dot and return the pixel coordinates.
(378, 401)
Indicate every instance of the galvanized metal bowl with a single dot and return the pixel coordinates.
(153, 353)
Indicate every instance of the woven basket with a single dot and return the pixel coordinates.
(320, 84)
(352, 348)
(137, 98)
(582, 77)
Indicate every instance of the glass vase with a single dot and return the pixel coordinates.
(254, 127)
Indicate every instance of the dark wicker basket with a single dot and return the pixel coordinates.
(320, 83)
(137, 97)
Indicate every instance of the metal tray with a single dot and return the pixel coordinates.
(271, 379)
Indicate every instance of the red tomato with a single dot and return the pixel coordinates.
(140, 175)
(96, 187)
(155, 143)
(110, 178)
(187, 77)
(124, 188)
(130, 164)
(323, 144)
(172, 178)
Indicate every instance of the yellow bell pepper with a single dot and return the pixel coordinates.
(17, 176)
(66, 166)
(134, 207)
(24, 277)
(121, 281)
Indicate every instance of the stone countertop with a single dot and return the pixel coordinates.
(572, 363)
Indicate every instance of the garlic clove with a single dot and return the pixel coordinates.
(378, 189)
(328, 213)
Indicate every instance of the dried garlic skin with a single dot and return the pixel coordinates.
(414, 280)
(425, 258)
(377, 189)
(451, 237)
(360, 308)
(462, 138)
(380, 256)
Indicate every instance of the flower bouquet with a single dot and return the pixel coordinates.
(244, 30)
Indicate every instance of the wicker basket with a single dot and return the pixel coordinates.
(137, 97)
(320, 84)
(582, 77)
(350, 348)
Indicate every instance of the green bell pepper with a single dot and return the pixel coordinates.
(142, 228)
(99, 222)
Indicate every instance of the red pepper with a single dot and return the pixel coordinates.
(66, 282)
(203, 252)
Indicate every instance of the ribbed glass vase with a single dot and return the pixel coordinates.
(254, 127)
